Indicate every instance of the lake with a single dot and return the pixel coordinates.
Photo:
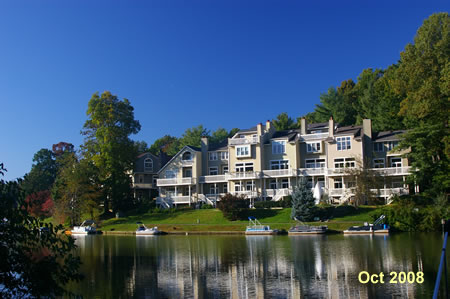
(230, 266)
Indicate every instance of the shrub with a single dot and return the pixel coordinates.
(303, 203)
(233, 207)
(266, 204)
(207, 206)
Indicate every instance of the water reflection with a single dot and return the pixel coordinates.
(254, 266)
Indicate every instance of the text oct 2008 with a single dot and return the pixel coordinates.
(393, 278)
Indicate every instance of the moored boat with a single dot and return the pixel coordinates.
(367, 229)
(304, 229)
(86, 228)
(142, 230)
(256, 228)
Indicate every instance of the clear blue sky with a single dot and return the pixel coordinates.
(183, 63)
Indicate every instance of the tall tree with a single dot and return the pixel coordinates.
(42, 174)
(284, 122)
(193, 136)
(107, 144)
(167, 144)
(423, 80)
(141, 146)
(303, 206)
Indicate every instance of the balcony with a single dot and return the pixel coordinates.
(317, 136)
(394, 170)
(390, 191)
(142, 185)
(279, 173)
(247, 194)
(175, 181)
(244, 175)
(243, 141)
(311, 171)
(187, 162)
(170, 200)
(221, 178)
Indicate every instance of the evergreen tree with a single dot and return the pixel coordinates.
(303, 205)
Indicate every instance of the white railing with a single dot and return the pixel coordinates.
(214, 178)
(248, 194)
(279, 173)
(311, 171)
(187, 162)
(336, 192)
(390, 191)
(162, 202)
(337, 171)
(244, 175)
(277, 194)
(241, 141)
(175, 181)
(171, 199)
(394, 170)
(313, 136)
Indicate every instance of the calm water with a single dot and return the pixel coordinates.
(255, 266)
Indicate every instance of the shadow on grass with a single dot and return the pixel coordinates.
(262, 213)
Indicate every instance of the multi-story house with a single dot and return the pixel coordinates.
(262, 163)
(144, 175)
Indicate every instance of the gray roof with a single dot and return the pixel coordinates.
(289, 134)
(387, 135)
(317, 126)
(252, 129)
(219, 146)
(349, 130)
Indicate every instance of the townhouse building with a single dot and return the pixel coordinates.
(262, 163)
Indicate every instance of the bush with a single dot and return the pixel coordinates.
(286, 202)
(266, 204)
(207, 206)
(233, 207)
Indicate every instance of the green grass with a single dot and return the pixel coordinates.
(213, 220)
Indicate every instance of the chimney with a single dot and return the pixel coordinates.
(259, 129)
(367, 128)
(268, 125)
(331, 127)
(205, 143)
(303, 124)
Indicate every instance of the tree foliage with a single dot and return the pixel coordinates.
(284, 122)
(233, 207)
(40, 204)
(167, 144)
(35, 263)
(303, 206)
(42, 174)
(108, 146)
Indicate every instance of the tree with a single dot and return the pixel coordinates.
(40, 204)
(303, 206)
(284, 122)
(233, 207)
(39, 262)
(108, 146)
(62, 147)
(42, 174)
(221, 135)
(141, 146)
(167, 144)
(193, 136)
(423, 81)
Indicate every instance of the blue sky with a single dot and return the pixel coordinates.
(219, 63)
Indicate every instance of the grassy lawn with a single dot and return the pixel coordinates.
(213, 220)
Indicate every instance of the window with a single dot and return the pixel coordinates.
(243, 151)
(213, 170)
(212, 156)
(225, 188)
(284, 183)
(338, 183)
(244, 167)
(187, 172)
(378, 147)
(343, 143)
(186, 156)
(378, 163)
(390, 145)
(278, 147)
(237, 186)
(213, 189)
(155, 178)
(396, 162)
(313, 147)
(249, 186)
(315, 163)
(273, 184)
(148, 164)
(321, 182)
(170, 174)
(279, 164)
(225, 169)
(344, 162)
(224, 156)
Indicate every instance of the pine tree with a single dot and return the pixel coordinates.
(303, 206)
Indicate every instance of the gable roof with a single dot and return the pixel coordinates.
(193, 148)
(387, 135)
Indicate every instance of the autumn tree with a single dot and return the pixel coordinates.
(108, 146)
(40, 204)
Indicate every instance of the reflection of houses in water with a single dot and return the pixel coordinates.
(255, 266)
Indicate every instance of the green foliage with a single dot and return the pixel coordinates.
(233, 207)
(167, 144)
(42, 174)
(141, 147)
(193, 136)
(284, 122)
(207, 206)
(108, 146)
(39, 263)
(303, 207)
(286, 202)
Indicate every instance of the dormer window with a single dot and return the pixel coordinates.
(278, 147)
(148, 164)
(187, 156)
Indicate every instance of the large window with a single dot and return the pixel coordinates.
(273, 184)
(170, 174)
(279, 164)
(224, 156)
(244, 167)
(390, 145)
(213, 170)
(212, 156)
(315, 163)
(278, 147)
(338, 183)
(378, 163)
(378, 147)
(243, 151)
(285, 183)
(249, 186)
(213, 189)
(238, 187)
(343, 143)
(396, 162)
(384, 146)
(148, 164)
(313, 147)
(344, 162)
(186, 156)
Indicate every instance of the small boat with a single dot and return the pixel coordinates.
(86, 228)
(367, 229)
(256, 228)
(142, 230)
(304, 229)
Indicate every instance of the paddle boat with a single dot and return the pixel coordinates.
(367, 229)
(142, 230)
(86, 228)
(256, 228)
(304, 229)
